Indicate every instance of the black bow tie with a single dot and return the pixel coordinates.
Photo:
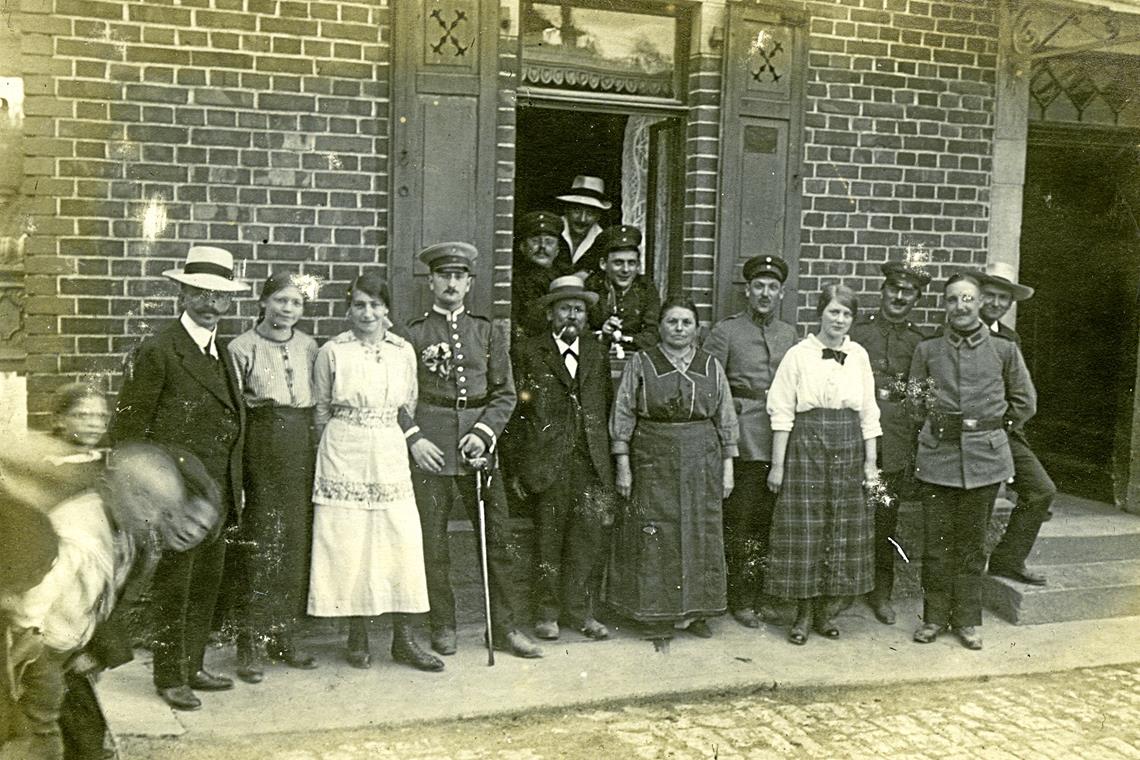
(831, 353)
(569, 353)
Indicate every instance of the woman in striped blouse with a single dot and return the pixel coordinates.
(275, 361)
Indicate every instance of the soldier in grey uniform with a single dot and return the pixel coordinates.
(982, 391)
(750, 346)
(466, 396)
(890, 339)
(1034, 487)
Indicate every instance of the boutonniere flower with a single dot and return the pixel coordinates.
(437, 358)
(917, 397)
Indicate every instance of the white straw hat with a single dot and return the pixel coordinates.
(208, 268)
(587, 191)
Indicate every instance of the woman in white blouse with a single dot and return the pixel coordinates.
(825, 423)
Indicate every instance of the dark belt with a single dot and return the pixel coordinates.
(453, 403)
(956, 424)
(742, 392)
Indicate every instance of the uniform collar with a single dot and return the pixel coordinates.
(887, 324)
(200, 335)
(450, 316)
(972, 340)
(761, 320)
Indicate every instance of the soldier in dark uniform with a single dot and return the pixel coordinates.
(466, 396)
(982, 389)
(628, 305)
(890, 339)
(750, 345)
(1035, 489)
(536, 250)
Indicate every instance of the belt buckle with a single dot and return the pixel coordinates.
(969, 423)
(461, 403)
(884, 394)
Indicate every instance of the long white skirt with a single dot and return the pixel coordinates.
(368, 555)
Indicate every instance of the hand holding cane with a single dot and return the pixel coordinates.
(479, 464)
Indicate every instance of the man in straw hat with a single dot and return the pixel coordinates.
(1035, 489)
(180, 388)
(890, 339)
(466, 396)
(565, 395)
(585, 203)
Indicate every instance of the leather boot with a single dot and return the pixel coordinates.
(406, 650)
(357, 654)
(249, 667)
(825, 609)
(798, 634)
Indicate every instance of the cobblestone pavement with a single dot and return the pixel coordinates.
(1090, 713)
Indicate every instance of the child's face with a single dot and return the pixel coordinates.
(85, 423)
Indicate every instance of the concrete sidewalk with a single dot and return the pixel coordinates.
(580, 672)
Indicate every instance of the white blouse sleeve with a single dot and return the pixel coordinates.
(869, 407)
(323, 374)
(782, 394)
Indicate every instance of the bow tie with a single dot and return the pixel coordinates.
(831, 353)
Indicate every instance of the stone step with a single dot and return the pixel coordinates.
(1085, 591)
(1086, 531)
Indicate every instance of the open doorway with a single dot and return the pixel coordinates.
(1080, 249)
(639, 157)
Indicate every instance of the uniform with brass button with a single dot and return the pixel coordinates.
(982, 387)
(890, 340)
(750, 345)
(466, 396)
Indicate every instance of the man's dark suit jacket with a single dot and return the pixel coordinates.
(173, 394)
(552, 405)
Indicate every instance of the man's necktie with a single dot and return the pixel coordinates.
(571, 360)
(831, 353)
(211, 349)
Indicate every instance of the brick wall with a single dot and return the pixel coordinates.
(702, 150)
(258, 125)
(898, 141)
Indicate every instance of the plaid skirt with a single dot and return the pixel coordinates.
(823, 530)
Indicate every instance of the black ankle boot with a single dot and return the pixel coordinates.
(824, 623)
(249, 666)
(798, 633)
(357, 654)
(406, 650)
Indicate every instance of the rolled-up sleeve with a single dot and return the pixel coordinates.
(623, 417)
(782, 394)
(869, 408)
(727, 427)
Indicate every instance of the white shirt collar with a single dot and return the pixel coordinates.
(591, 234)
(450, 315)
(200, 335)
(842, 346)
(995, 327)
(563, 345)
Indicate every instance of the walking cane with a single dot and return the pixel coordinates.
(479, 464)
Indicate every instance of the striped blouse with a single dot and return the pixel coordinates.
(275, 373)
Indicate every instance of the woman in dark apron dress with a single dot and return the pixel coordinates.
(673, 432)
(274, 362)
(825, 424)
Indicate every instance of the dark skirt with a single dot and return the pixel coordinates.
(277, 523)
(823, 530)
(667, 562)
